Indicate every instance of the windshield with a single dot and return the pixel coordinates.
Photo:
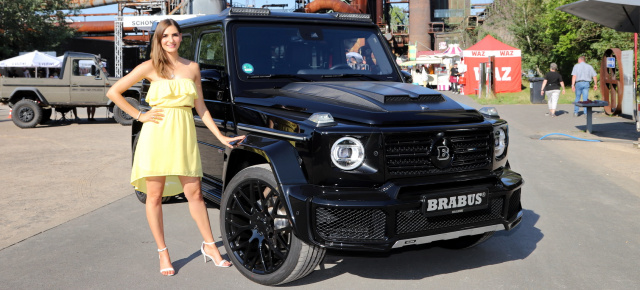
(310, 52)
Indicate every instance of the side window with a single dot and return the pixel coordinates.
(83, 67)
(186, 46)
(211, 50)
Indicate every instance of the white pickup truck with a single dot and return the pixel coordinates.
(82, 83)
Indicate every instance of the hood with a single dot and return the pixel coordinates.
(374, 103)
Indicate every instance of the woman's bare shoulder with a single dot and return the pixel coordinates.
(194, 69)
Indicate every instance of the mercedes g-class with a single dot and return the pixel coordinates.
(340, 153)
(82, 83)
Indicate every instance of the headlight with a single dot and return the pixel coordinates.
(347, 153)
(500, 139)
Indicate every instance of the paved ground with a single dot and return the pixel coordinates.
(69, 220)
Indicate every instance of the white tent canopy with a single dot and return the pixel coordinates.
(32, 59)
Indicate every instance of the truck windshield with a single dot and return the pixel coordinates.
(313, 52)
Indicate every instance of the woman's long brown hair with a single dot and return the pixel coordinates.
(158, 55)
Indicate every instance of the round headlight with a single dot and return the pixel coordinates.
(500, 141)
(347, 153)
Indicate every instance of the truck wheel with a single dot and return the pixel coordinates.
(26, 113)
(466, 241)
(257, 233)
(142, 197)
(121, 116)
(46, 116)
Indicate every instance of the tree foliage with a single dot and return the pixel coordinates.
(399, 19)
(547, 35)
(28, 25)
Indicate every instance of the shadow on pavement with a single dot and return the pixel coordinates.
(424, 261)
(620, 130)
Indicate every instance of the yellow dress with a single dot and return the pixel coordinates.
(169, 148)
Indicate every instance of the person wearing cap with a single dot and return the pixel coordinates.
(581, 76)
(552, 84)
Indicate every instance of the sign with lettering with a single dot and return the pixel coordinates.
(145, 22)
(496, 53)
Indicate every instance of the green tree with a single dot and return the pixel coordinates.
(399, 19)
(28, 25)
(547, 35)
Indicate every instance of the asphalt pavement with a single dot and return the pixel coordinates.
(580, 230)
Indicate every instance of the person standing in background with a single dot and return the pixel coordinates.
(453, 78)
(581, 76)
(552, 83)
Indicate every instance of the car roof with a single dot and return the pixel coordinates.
(263, 14)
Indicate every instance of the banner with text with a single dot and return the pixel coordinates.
(145, 22)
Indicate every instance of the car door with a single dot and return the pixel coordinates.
(210, 56)
(84, 86)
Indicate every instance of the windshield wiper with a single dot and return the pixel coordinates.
(279, 76)
(349, 76)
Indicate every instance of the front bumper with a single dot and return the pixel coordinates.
(379, 219)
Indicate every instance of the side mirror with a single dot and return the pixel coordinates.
(489, 112)
(211, 75)
(407, 77)
(212, 84)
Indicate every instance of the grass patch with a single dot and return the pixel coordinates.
(523, 97)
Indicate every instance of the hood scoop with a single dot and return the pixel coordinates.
(404, 99)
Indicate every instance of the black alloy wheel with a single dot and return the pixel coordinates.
(257, 233)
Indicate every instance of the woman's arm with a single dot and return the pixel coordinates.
(115, 93)
(544, 83)
(205, 115)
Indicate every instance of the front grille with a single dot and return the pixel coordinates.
(335, 224)
(408, 154)
(411, 221)
(419, 99)
(514, 204)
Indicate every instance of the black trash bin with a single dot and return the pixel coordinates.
(535, 86)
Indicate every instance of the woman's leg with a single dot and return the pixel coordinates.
(153, 205)
(553, 101)
(198, 209)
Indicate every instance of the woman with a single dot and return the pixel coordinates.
(552, 83)
(167, 160)
(453, 78)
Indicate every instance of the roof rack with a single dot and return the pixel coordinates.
(249, 11)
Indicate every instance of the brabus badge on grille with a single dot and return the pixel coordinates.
(440, 153)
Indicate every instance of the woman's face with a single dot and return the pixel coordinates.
(171, 39)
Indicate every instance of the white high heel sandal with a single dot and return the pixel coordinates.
(165, 269)
(221, 264)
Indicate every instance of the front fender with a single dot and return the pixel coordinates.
(280, 154)
(285, 164)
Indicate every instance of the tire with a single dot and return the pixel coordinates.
(26, 113)
(121, 116)
(259, 239)
(46, 116)
(142, 197)
(466, 241)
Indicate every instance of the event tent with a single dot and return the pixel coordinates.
(31, 59)
(508, 65)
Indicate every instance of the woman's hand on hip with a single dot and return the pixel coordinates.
(227, 140)
(154, 115)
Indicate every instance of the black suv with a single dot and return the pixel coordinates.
(341, 152)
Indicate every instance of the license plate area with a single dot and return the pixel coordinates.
(435, 205)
